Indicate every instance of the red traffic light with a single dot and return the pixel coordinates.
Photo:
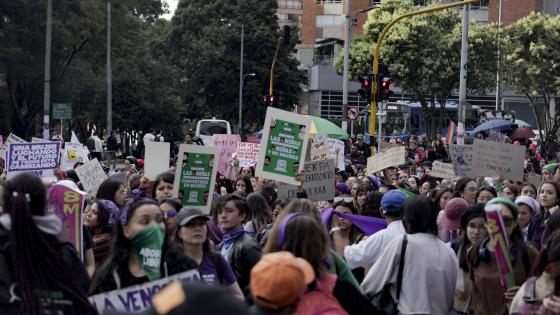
(387, 83)
(269, 100)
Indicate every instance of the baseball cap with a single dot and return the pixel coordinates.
(360, 136)
(391, 201)
(279, 278)
(454, 208)
(186, 215)
(531, 202)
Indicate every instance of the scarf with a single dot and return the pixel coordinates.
(369, 225)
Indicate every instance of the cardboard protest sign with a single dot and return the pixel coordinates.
(11, 139)
(248, 153)
(68, 205)
(318, 184)
(496, 136)
(91, 175)
(461, 157)
(283, 146)
(72, 154)
(388, 145)
(490, 157)
(156, 159)
(499, 240)
(442, 170)
(383, 160)
(38, 158)
(196, 175)
(139, 297)
(38, 140)
(336, 152)
(319, 147)
(227, 145)
(120, 177)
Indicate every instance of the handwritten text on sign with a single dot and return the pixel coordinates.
(491, 157)
(318, 184)
(248, 153)
(227, 145)
(383, 160)
(139, 297)
(442, 170)
(461, 156)
(91, 175)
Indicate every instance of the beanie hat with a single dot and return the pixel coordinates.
(529, 201)
(505, 201)
(452, 215)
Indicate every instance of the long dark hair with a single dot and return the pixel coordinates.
(260, 213)
(107, 190)
(472, 212)
(373, 203)
(36, 256)
(355, 232)
(120, 247)
(461, 185)
(103, 216)
(419, 215)
(248, 185)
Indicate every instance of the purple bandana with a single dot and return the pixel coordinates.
(369, 225)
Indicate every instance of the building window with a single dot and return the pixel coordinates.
(329, 20)
(289, 4)
(328, 1)
(331, 103)
(289, 18)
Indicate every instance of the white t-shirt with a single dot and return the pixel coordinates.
(149, 138)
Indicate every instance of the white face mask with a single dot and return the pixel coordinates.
(49, 224)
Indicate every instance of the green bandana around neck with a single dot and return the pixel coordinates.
(147, 247)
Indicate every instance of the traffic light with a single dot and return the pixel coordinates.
(365, 91)
(269, 100)
(384, 83)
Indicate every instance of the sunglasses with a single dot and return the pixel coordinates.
(169, 214)
(481, 228)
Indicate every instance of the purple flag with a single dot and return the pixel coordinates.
(369, 225)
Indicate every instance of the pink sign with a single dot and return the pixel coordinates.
(227, 145)
(248, 153)
(500, 242)
(68, 205)
(1, 141)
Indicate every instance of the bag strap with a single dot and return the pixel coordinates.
(401, 267)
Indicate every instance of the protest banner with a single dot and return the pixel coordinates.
(388, 145)
(336, 149)
(442, 170)
(196, 175)
(383, 160)
(10, 139)
(318, 184)
(38, 140)
(139, 297)
(91, 175)
(490, 157)
(227, 145)
(319, 147)
(72, 154)
(38, 158)
(248, 153)
(283, 146)
(461, 157)
(499, 240)
(68, 204)
(156, 160)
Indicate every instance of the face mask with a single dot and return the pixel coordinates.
(146, 246)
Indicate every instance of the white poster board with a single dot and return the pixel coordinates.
(91, 176)
(10, 139)
(319, 183)
(283, 146)
(320, 148)
(442, 170)
(461, 157)
(156, 159)
(505, 159)
(336, 148)
(72, 154)
(227, 145)
(248, 153)
(383, 160)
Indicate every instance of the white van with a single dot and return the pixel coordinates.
(206, 128)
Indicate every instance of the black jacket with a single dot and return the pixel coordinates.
(244, 254)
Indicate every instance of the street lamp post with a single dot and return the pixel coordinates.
(109, 77)
(241, 81)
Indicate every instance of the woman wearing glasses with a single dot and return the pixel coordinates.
(466, 188)
(488, 296)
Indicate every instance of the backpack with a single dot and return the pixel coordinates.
(321, 300)
(90, 143)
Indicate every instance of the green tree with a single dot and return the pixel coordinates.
(205, 44)
(532, 67)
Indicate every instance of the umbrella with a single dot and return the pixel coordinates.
(320, 125)
(521, 123)
(496, 124)
(523, 133)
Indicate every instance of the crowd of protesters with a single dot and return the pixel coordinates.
(396, 242)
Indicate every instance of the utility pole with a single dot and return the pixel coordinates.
(347, 42)
(463, 75)
(499, 68)
(109, 77)
(47, 83)
(239, 127)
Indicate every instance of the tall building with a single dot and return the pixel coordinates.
(513, 10)
(289, 12)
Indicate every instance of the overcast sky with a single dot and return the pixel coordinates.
(172, 7)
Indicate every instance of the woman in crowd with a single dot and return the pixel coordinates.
(413, 183)
(137, 252)
(373, 203)
(361, 197)
(510, 191)
(112, 190)
(259, 214)
(243, 185)
(549, 198)
(40, 274)
(301, 234)
(100, 218)
(441, 197)
(449, 223)
(426, 186)
(485, 194)
(344, 233)
(526, 206)
(192, 240)
(163, 186)
(473, 229)
(429, 273)
(170, 207)
(488, 295)
(247, 171)
(466, 188)
(529, 190)
(130, 165)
